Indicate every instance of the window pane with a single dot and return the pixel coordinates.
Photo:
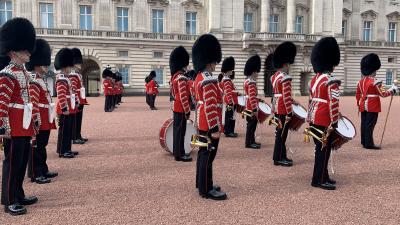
(119, 23)
(89, 22)
(88, 9)
(154, 26)
(51, 23)
(188, 16)
(82, 22)
(389, 75)
(9, 5)
(82, 10)
(42, 7)
(161, 26)
(194, 15)
(43, 20)
(160, 76)
(50, 7)
(126, 24)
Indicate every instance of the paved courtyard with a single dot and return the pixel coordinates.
(122, 176)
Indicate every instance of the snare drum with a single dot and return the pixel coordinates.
(241, 106)
(298, 118)
(166, 135)
(264, 110)
(345, 132)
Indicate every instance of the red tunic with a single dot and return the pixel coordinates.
(323, 109)
(14, 89)
(207, 97)
(64, 92)
(229, 91)
(181, 93)
(44, 99)
(119, 87)
(369, 91)
(107, 86)
(282, 88)
(250, 89)
(152, 88)
(77, 87)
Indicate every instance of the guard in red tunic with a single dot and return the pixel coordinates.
(39, 62)
(19, 118)
(230, 96)
(323, 110)
(251, 70)
(178, 62)
(369, 91)
(282, 100)
(206, 53)
(77, 84)
(114, 91)
(66, 102)
(107, 89)
(120, 88)
(151, 90)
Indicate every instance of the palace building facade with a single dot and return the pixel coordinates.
(137, 36)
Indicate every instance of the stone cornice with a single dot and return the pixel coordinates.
(347, 12)
(128, 2)
(86, 1)
(371, 13)
(393, 15)
(188, 3)
(161, 2)
(251, 4)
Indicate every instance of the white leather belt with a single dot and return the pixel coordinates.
(372, 96)
(319, 100)
(277, 95)
(220, 105)
(68, 96)
(16, 106)
(43, 105)
(200, 102)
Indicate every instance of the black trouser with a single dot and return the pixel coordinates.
(64, 134)
(280, 139)
(119, 98)
(108, 103)
(152, 100)
(148, 99)
(322, 155)
(205, 158)
(229, 127)
(179, 134)
(368, 122)
(16, 154)
(77, 124)
(38, 156)
(251, 129)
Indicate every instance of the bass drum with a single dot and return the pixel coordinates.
(264, 111)
(167, 132)
(241, 106)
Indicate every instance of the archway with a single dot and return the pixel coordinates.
(269, 70)
(91, 77)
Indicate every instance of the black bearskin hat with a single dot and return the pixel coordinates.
(206, 50)
(107, 73)
(77, 56)
(253, 64)
(178, 59)
(228, 64)
(64, 58)
(370, 63)
(41, 56)
(284, 53)
(4, 61)
(152, 74)
(325, 55)
(17, 34)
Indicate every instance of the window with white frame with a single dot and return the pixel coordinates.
(248, 22)
(299, 24)
(344, 28)
(5, 11)
(85, 17)
(46, 15)
(392, 32)
(367, 31)
(273, 23)
(158, 21)
(124, 70)
(159, 75)
(191, 18)
(122, 19)
(389, 77)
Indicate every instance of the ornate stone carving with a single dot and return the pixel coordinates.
(161, 2)
(346, 12)
(394, 16)
(250, 5)
(369, 14)
(277, 6)
(301, 9)
(188, 3)
(86, 1)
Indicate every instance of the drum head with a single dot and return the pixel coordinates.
(169, 135)
(190, 130)
(299, 110)
(241, 100)
(265, 108)
(346, 128)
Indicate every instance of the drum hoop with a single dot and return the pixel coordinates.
(296, 104)
(263, 110)
(355, 130)
(162, 137)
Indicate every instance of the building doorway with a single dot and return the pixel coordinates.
(91, 77)
(269, 70)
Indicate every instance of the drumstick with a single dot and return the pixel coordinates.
(344, 121)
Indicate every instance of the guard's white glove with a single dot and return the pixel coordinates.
(394, 88)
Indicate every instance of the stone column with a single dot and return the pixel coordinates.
(355, 22)
(214, 16)
(265, 11)
(290, 15)
(337, 17)
(316, 16)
